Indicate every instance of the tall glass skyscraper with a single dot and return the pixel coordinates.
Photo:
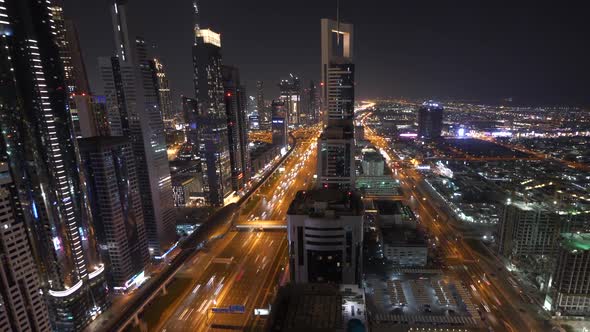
(336, 144)
(43, 160)
(129, 86)
(430, 120)
(212, 120)
(237, 127)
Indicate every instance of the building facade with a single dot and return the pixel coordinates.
(290, 94)
(109, 166)
(325, 234)
(237, 127)
(129, 84)
(570, 290)
(528, 229)
(280, 129)
(22, 305)
(430, 120)
(42, 157)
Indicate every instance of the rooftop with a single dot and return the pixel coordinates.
(318, 202)
(576, 241)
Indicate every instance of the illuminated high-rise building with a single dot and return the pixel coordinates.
(212, 128)
(290, 90)
(109, 166)
(129, 86)
(336, 165)
(41, 153)
(279, 124)
(22, 305)
(264, 113)
(70, 52)
(163, 91)
(310, 101)
(237, 127)
(430, 120)
(337, 70)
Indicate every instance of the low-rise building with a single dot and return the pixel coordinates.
(404, 246)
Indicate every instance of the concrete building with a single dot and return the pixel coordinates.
(263, 112)
(325, 232)
(528, 229)
(404, 246)
(109, 167)
(186, 189)
(90, 116)
(162, 86)
(261, 154)
(318, 308)
(570, 290)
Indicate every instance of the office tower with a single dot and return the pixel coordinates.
(213, 141)
(569, 294)
(237, 127)
(109, 166)
(190, 111)
(279, 124)
(325, 232)
(129, 85)
(311, 104)
(528, 229)
(290, 90)
(336, 168)
(163, 89)
(337, 70)
(41, 153)
(336, 165)
(90, 116)
(263, 111)
(430, 120)
(70, 52)
(22, 307)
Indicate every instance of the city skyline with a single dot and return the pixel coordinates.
(425, 50)
(288, 200)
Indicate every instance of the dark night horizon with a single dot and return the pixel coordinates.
(534, 54)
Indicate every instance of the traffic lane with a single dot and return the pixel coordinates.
(252, 280)
(213, 272)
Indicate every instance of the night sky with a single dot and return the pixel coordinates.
(463, 50)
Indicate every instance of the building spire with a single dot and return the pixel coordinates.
(338, 22)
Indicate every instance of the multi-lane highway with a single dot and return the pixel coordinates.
(245, 267)
(503, 305)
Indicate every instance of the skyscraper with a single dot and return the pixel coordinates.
(23, 306)
(290, 90)
(237, 126)
(129, 84)
(212, 125)
(430, 120)
(70, 52)
(310, 101)
(109, 166)
(263, 111)
(279, 124)
(337, 70)
(90, 116)
(335, 167)
(163, 88)
(42, 157)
